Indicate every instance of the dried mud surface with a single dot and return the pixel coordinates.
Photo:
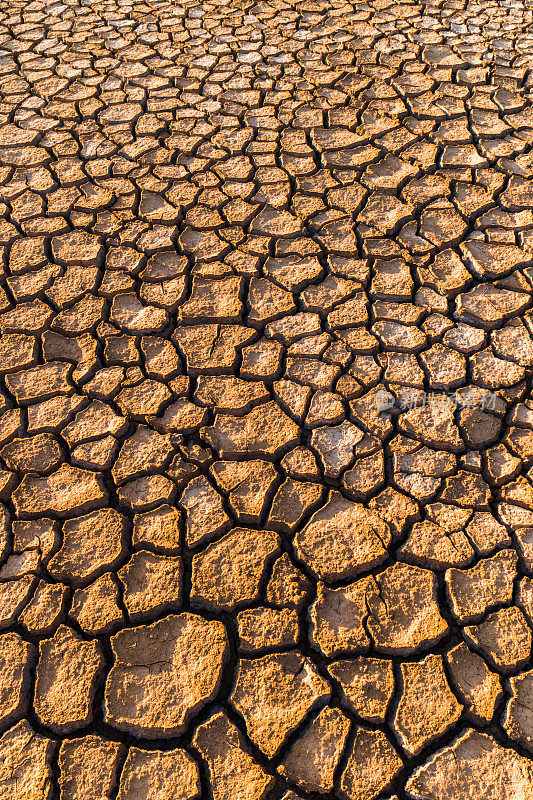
(266, 410)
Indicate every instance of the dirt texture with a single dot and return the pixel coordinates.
(266, 400)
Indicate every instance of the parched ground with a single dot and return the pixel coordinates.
(266, 409)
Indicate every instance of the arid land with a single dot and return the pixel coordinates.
(266, 410)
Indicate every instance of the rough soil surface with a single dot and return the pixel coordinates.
(266, 400)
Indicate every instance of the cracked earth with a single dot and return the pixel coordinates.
(266, 408)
